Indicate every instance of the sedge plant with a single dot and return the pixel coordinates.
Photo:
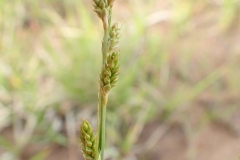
(93, 144)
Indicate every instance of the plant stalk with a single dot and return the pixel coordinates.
(105, 45)
(102, 121)
(108, 79)
(103, 97)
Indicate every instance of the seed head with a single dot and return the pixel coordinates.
(114, 37)
(101, 7)
(88, 141)
(110, 71)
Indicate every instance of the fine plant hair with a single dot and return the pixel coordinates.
(93, 144)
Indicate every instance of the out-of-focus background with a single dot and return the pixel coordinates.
(178, 94)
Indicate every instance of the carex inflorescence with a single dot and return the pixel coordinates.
(110, 70)
(109, 74)
(93, 145)
(88, 141)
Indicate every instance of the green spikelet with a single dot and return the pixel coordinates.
(110, 71)
(113, 37)
(88, 141)
(101, 7)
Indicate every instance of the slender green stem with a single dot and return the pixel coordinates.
(103, 97)
(110, 17)
(102, 116)
(105, 45)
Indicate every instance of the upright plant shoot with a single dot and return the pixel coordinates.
(93, 145)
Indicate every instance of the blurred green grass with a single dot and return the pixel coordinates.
(172, 54)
